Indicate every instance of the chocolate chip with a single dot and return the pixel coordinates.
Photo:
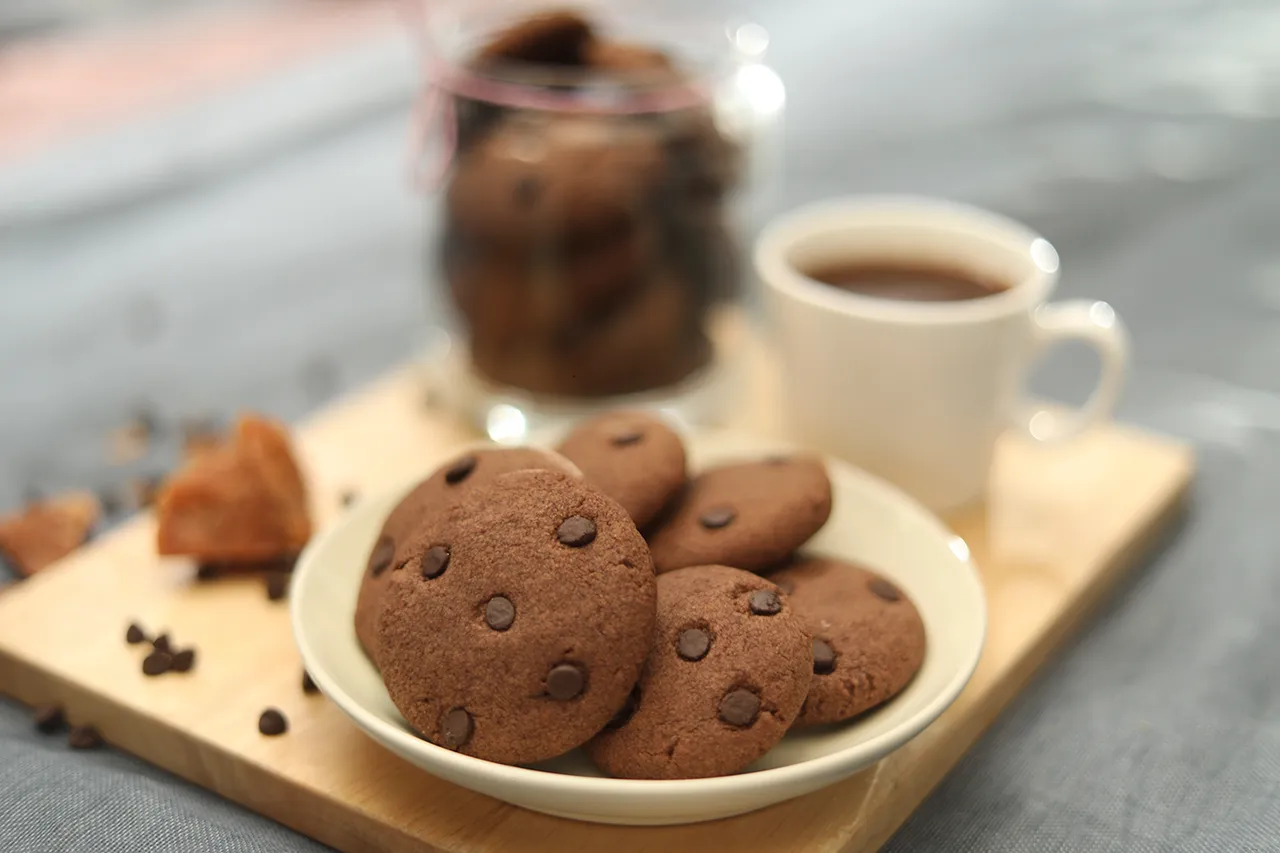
(824, 657)
(49, 719)
(157, 663)
(308, 685)
(527, 191)
(881, 588)
(576, 531)
(135, 635)
(627, 711)
(623, 439)
(456, 727)
(435, 561)
(84, 737)
(272, 723)
(765, 602)
(277, 585)
(161, 644)
(499, 613)
(382, 555)
(208, 571)
(785, 587)
(565, 681)
(460, 469)
(717, 517)
(348, 497)
(739, 707)
(693, 644)
(184, 660)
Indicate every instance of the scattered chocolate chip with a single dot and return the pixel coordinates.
(624, 439)
(157, 663)
(135, 634)
(627, 711)
(881, 588)
(348, 497)
(765, 602)
(527, 191)
(576, 531)
(455, 728)
(277, 583)
(84, 737)
(308, 685)
(161, 644)
(693, 644)
(786, 587)
(49, 719)
(499, 613)
(460, 469)
(717, 517)
(565, 681)
(382, 555)
(184, 660)
(824, 657)
(739, 707)
(208, 571)
(435, 561)
(272, 723)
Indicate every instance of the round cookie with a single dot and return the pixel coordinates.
(451, 481)
(868, 639)
(520, 620)
(633, 457)
(554, 183)
(730, 665)
(750, 515)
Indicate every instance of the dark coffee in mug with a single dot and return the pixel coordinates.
(907, 281)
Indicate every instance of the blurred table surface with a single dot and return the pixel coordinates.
(257, 248)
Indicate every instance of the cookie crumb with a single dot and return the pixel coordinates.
(84, 737)
(49, 719)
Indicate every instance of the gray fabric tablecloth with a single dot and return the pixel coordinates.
(1142, 138)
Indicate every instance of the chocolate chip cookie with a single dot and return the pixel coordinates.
(730, 665)
(446, 485)
(633, 457)
(518, 622)
(868, 639)
(749, 515)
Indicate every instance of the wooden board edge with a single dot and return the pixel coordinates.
(206, 764)
(1162, 523)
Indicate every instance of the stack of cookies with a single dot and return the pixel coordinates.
(584, 239)
(521, 603)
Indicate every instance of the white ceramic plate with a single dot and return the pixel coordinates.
(871, 523)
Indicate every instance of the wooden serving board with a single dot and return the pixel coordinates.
(1061, 527)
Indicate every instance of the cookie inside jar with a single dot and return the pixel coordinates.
(586, 235)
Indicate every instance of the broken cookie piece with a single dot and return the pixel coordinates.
(48, 530)
(245, 501)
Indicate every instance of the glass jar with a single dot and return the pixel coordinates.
(590, 177)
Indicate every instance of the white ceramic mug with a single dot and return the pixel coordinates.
(919, 392)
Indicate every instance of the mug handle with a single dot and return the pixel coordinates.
(1097, 324)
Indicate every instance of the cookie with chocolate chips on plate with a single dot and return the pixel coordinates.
(728, 673)
(633, 457)
(750, 515)
(517, 624)
(448, 484)
(868, 637)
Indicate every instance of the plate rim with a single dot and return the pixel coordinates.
(833, 766)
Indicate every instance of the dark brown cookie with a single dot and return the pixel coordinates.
(868, 639)
(446, 485)
(750, 515)
(546, 38)
(555, 183)
(727, 675)
(633, 457)
(519, 621)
